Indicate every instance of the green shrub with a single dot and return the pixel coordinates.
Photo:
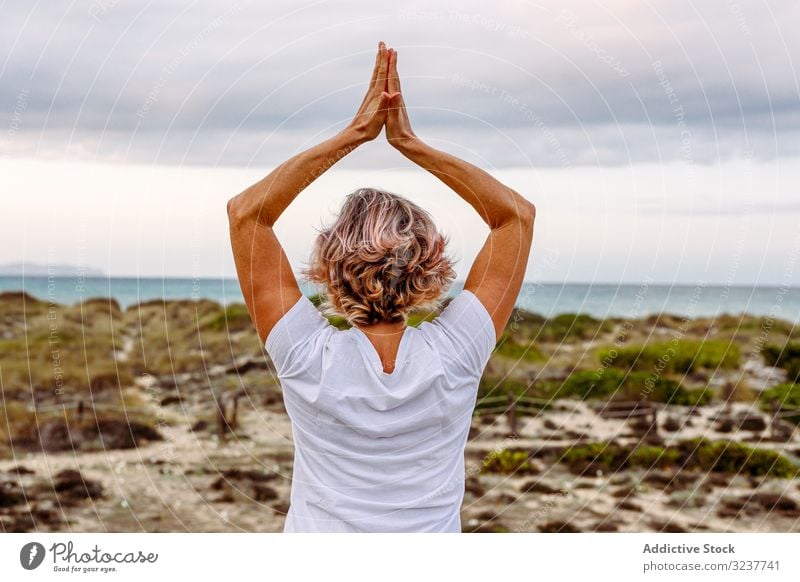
(694, 454)
(233, 317)
(587, 384)
(506, 462)
(734, 457)
(613, 457)
(788, 398)
(526, 352)
(677, 357)
(653, 456)
(786, 356)
(606, 456)
(492, 386)
(671, 392)
(620, 385)
(777, 355)
(572, 325)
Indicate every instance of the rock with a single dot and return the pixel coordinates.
(55, 436)
(225, 497)
(69, 484)
(728, 513)
(605, 526)
(782, 431)
(502, 498)
(669, 481)
(672, 424)
(22, 522)
(734, 503)
(200, 425)
(281, 508)
(121, 434)
(102, 382)
(10, 494)
(247, 363)
(109, 433)
(738, 506)
(264, 493)
(717, 480)
(168, 382)
(551, 425)
(490, 527)
(473, 487)
(244, 484)
(21, 470)
(558, 527)
(537, 486)
(174, 399)
(774, 502)
(726, 424)
(250, 474)
(624, 492)
(629, 506)
(42, 515)
(751, 421)
(667, 527)
(621, 479)
(698, 377)
(486, 515)
(687, 499)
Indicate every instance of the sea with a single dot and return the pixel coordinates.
(548, 299)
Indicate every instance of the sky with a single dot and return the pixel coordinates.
(659, 140)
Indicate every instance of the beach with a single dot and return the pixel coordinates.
(166, 415)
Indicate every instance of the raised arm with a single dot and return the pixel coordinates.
(498, 271)
(265, 275)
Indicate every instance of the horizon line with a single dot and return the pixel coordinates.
(456, 282)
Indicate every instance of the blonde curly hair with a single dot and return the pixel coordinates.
(382, 258)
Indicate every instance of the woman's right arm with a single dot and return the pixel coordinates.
(498, 271)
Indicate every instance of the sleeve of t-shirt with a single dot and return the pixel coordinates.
(468, 331)
(293, 337)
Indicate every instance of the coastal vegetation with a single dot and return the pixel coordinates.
(698, 454)
(566, 405)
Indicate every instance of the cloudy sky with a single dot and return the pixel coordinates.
(658, 139)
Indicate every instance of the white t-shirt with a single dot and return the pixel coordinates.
(378, 452)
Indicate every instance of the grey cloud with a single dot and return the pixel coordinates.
(513, 83)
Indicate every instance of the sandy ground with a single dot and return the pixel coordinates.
(193, 482)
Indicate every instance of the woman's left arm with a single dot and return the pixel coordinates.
(265, 275)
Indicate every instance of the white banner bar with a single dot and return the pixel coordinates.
(389, 557)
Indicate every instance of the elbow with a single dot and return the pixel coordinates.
(529, 212)
(526, 211)
(236, 212)
(520, 212)
(241, 210)
(231, 207)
